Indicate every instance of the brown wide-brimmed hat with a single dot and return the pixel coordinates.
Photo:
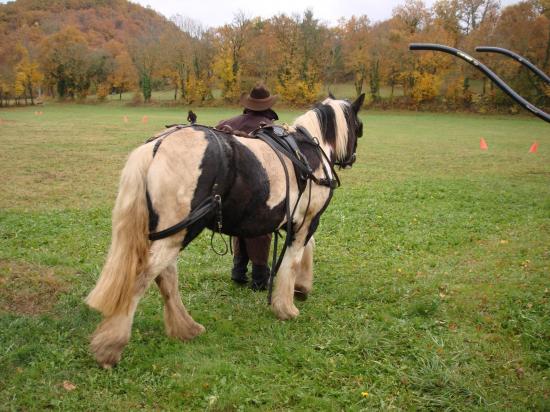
(259, 99)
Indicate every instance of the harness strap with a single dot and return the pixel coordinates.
(278, 146)
(332, 183)
(276, 263)
(207, 206)
(287, 145)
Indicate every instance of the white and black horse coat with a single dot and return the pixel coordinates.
(165, 181)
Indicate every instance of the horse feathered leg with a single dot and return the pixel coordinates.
(179, 324)
(304, 277)
(282, 303)
(113, 333)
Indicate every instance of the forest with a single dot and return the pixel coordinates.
(84, 49)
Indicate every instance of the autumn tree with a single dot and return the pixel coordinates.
(231, 41)
(472, 13)
(190, 61)
(259, 56)
(314, 51)
(302, 49)
(356, 42)
(66, 59)
(447, 14)
(124, 76)
(414, 14)
(522, 28)
(28, 75)
(146, 55)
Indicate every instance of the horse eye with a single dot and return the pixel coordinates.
(359, 131)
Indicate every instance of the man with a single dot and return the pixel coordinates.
(257, 112)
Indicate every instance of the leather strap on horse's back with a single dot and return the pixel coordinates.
(282, 141)
(206, 206)
(209, 204)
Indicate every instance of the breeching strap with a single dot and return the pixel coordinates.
(206, 207)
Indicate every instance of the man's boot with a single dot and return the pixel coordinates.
(260, 277)
(238, 273)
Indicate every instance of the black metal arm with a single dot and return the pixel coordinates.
(517, 57)
(485, 70)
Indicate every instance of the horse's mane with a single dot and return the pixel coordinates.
(328, 121)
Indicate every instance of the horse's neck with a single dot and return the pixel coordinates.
(308, 121)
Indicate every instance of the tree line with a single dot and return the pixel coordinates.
(69, 49)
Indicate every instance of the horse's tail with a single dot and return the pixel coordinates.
(129, 251)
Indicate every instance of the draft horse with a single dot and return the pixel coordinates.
(166, 181)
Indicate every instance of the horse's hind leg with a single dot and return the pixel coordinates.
(113, 333)
(304, 277)
(179, 324)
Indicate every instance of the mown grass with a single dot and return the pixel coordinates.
(431, 292)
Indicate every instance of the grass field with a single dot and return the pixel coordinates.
(432, 274)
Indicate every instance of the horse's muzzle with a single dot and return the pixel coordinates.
(348, 162)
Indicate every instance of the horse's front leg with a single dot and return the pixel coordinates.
(282, 302)
(304, 277)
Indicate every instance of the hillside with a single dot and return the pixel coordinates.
(101, 21)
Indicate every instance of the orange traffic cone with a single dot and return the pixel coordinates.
(534, 148)
(144, 119)
(125, 119)
(483, 144)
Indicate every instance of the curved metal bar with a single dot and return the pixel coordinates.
(485, 70)
(517, 57)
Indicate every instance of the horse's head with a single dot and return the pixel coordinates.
(347, 131)
(337, 126)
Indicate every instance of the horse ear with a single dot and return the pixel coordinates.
(331, 96)
(356, 105)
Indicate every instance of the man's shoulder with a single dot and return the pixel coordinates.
(232, 120)
(246, 122)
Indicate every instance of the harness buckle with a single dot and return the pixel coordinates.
(218, 202)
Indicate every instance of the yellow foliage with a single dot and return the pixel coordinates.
(124, 76)
(297, 91)
(20, 85)
(455, 90)
(197, 89)
(223, 68)
(426, 86)
(27, 74)
(102, 91)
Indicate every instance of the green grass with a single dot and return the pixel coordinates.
(431, 276)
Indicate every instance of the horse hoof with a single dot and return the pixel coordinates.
(107, 346)
(285, 312)
(197, 330)
(188, 332)
(107, 357)
(300, 295)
